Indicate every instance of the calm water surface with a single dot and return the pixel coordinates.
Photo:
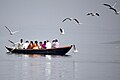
(92, 62)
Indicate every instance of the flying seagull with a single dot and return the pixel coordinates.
(112, 8)
(62, 31)
(11, 32)
(107, 5)
(74, 48)
(67, 19)
(71, 19)
(93, 14)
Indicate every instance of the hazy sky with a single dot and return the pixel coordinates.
(41, 20)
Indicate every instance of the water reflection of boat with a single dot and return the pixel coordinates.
(52, 51)
(48, 70)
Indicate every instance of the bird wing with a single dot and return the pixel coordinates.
(61, 30)
(88, 13)
(76, 20)
(114, 10)
(11, 42)
(107, 5)
(92, 14)
(97, 14)
(66, 19)
(7, 29)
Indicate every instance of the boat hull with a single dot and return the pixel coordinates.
(55, 51)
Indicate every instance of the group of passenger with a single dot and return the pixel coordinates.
(37, 45)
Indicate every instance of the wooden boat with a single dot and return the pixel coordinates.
(52, 51)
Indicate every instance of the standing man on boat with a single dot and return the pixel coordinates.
(20, 44)
(48, 45)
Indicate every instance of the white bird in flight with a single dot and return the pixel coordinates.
(62, 31)
(70, 19)
(11, 32)
(112, 8)
(93, 14)
(75, 49)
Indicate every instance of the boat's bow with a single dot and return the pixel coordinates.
(9, 49)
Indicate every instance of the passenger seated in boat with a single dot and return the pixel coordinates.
(48, 45)
(35, 45)
(55, 44)
(25, 45)
(44, 45)
(30, 46)
(40, 45)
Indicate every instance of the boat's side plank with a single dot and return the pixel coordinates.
(55, 51)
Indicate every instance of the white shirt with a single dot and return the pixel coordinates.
(56, 44)
(48, 45)
(20, 45)
(25, 45)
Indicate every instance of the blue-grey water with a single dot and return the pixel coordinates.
(92, 62)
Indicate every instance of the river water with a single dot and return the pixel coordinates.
(92, 62)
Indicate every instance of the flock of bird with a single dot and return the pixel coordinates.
(75, 20)
(70, 19)
(62, 31)
(94, 14)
